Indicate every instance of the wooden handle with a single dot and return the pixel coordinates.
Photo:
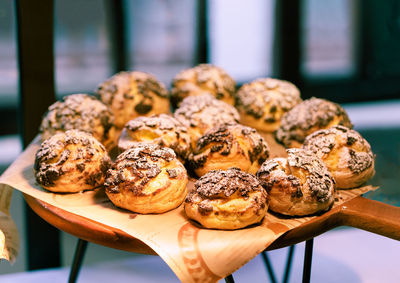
(373, 216)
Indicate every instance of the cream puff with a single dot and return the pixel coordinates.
(204, 78)
(203, 112)
(345, 152)
(80, 112)
(262, 102)
(227, 199)
(229, 145)
(133, 94)
(297, 185)
(70, 162)
(307, 117)
(161, 129)
(147, 178)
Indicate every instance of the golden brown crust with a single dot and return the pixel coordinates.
(298, 185)
(147, 178)
(133, 94)
(262, 102)
(161, 129)
(200, 79)
(80, 112)
(71, 162)
(345, 152)
(229, 145)
(307, 117)
(203, 112)
(227, 199)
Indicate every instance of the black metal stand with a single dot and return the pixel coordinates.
(78, 259)
(268, 264)
(308, 260)
(288, 264)
(288, 267)
(229, 279)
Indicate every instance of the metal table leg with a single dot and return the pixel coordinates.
(268, 264)
(308, 261)
(229, 279)
(288, 264)
(78, 259)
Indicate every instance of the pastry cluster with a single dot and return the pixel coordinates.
(237, 182)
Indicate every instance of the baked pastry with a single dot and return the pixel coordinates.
(133, 94)
(147, 178)
(203, 112)
(262, 102)
(70, 162)
(307, 117)
(227, 199)
(80, 112)
(200, 79)
(229, 145)
(297, 185)
(161, 129)
(345, 152)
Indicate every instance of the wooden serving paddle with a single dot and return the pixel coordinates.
(362, 213)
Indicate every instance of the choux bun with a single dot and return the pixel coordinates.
(133, 94)
(203, 112)
(147, 178)
(80, 112)
(261, 103)
(229, 145)
(161, 129)
(204, 78)
(299, 184)
(345, 152)
(70, 162)
(307, 117)
(227, 199)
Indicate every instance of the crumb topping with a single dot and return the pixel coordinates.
(172, 173)
(224, 183)
(190, 80)
(124, 84)
(318, 179)
(222, 138)
(313, 112)
(161, 121)
(277, 94)
(322, 142)
(205, 109)
(146, 83)
(167, 131)
(360, 161)
(54, 152)
(78, 111)
(143, 162)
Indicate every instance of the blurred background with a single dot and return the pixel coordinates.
(346, 51)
